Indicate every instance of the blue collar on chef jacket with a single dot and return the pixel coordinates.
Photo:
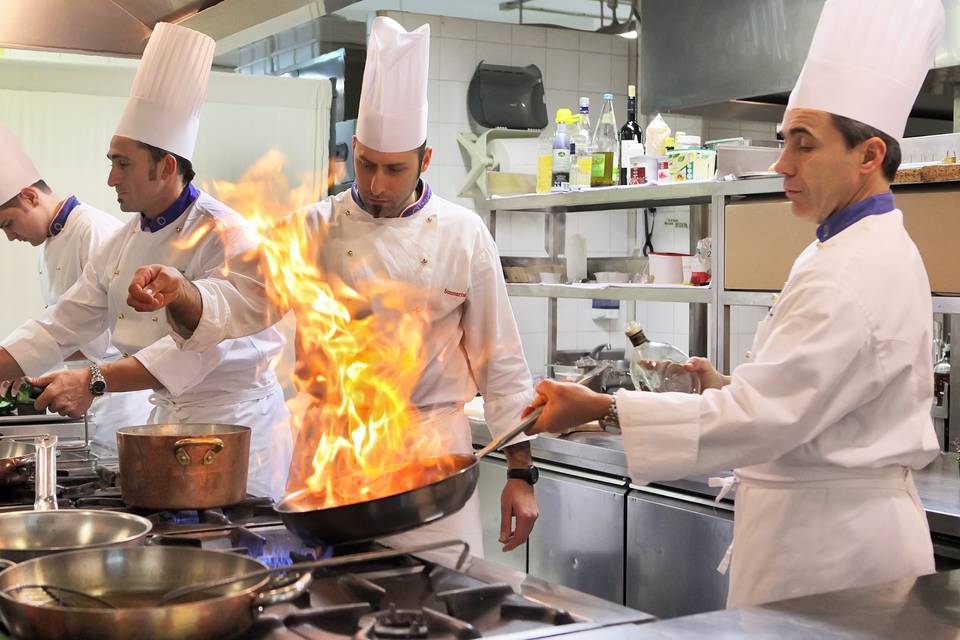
(843, 218)
(422, 188)
(60, 220)
(187, 197)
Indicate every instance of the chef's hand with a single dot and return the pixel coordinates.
(11, 387)
(155, 286)
(65, 392)
(518, 513)
(710, 378)
(566, 405)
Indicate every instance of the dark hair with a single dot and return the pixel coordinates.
(184, 166)
(421, 151)
(39, 185)
(855, 132)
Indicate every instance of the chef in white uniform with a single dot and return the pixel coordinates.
(177, 224)
(69, 231)
(826, 420)
(391, 225)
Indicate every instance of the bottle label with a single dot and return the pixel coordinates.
(561, 161)
(597, 165)
(629, 149)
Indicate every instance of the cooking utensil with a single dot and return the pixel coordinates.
(15, 458)
(70, 595)
(183, 466)
(402, 511)
(46, 473)
(31, 534)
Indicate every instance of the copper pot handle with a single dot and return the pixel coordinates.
(216, 446)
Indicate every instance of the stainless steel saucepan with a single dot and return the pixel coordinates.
(403, 511)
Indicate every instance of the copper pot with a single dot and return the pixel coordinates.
(183, 466)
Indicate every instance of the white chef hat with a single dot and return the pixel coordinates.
(393, 98)
(167, 93)
(16, 169)
(868, 59)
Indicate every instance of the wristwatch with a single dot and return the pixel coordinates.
(98, 384)
(530, 474)
(612, 418)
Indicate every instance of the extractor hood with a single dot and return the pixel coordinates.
(121, 27)
(739, 60)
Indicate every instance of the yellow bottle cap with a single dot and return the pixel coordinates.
(563, 116)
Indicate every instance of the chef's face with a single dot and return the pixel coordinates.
(138, 180)
(24, 218)
(821, 175)
(387, 181)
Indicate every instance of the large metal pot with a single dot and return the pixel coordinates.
(72, 594)
(183, 466)
(31, 534)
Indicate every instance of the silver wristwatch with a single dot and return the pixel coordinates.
(98, 384)
(612, 419)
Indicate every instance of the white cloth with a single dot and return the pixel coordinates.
(98, 303)
(445, 252)
(868, 59)
(62, 261)
(16, 168)
(167, 93)
(393, 96)
(839, 390)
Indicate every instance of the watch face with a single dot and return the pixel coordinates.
(534, 475)
(97, 387)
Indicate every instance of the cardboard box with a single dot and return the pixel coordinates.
(763, 238)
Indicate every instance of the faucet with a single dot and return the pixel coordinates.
(595, 352)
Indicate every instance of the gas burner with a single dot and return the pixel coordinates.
(395, 623)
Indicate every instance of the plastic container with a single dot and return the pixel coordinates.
(666, 268)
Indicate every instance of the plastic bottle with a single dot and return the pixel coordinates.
(560, 169)
(658, 366)
(582, 170)
(605, 146)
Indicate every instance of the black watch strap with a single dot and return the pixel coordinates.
(530, 474)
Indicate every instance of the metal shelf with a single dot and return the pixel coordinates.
(654, 195)
(946, 304)
(652, 293)
(941, 304)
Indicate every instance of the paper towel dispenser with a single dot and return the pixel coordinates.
(504, 96)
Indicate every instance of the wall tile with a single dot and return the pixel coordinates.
(458, 59)
(415, 20)
(528, 36)
(451, 107)
(563, 39)
(559, 99)
(562, 70)
(596, 43)
(494, 32)
(619, 77)
(620, 46)
(446, 151)
(494, 53)
(531, 314)
(458, 28)
(568, 312)
(567, 341)
(523, 55)
(535, 352)
(595, 72)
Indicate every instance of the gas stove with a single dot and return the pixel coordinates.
(404, 596)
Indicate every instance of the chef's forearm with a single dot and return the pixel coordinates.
(519, 455)
(9, 369)
(186, 310)
(128, 374)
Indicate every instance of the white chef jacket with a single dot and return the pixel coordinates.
(822, 425)
(197, 243)
(61, 262)
(448, 255)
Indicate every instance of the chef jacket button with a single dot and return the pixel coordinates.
(349, 252)
(775, 297)
(423, 261)
(116, 273)
(179, 229)
(46, 306)
(430, 219)
(155, 319)
(748, 355)
(819, 245)
(119, 316)
(347, 212)
(126, 355)
(58, 268)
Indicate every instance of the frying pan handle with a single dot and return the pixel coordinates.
(215, 444)
(285, 593)
(527, 422)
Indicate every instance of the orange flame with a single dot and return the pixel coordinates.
(359, 355)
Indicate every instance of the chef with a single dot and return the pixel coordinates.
(175, 224)
(69, 231)
(391, 225)
(827, 418)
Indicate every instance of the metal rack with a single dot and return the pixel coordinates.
(710, 306)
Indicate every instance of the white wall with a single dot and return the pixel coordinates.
(65, 113)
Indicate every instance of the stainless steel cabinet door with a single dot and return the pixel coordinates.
(578, 540)
(673, 549)
(493, 475)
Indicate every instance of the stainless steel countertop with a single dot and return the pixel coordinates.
(927, 607)
(938, 484)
